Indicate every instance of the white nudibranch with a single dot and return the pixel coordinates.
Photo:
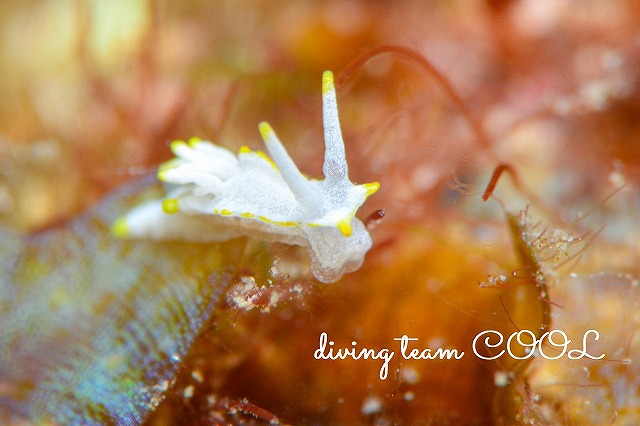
(219, 196)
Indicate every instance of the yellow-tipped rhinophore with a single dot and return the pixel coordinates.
(327, 83)
(266, 131)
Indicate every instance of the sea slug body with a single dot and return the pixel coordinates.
(219, 196)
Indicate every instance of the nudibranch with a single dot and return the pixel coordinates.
(219, 196)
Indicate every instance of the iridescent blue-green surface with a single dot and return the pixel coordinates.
(93, 329)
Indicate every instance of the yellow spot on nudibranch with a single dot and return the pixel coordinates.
(371, 187)
(193, 141)
(170, 205)
(266, 157)
(247, 215)
(176, 144)
(120, 228)
(345, 227)
(327, 83)
(246, 150)
(277, 223)
(225, 212)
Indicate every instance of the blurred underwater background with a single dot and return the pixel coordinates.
(433, 97)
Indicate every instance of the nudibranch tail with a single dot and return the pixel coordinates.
(295, 180)
(335, 161)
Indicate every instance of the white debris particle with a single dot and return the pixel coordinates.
(424, 177)
(596, 94)
(410, 375)
(197, 376)
(212, 400)
(501, 378)
(436, 342)
(163, 385)
(188, 391)
(617, 179)
(155, 401)
(494, 281)
(274, 299)
(245, 294)
(371, 405)
(409, 396)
